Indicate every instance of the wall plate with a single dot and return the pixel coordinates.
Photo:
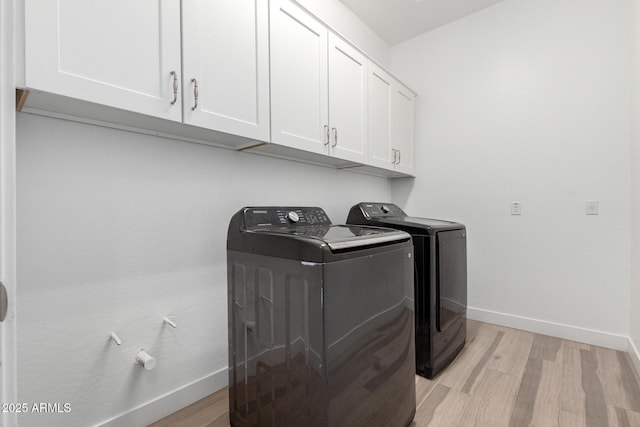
(591, 207)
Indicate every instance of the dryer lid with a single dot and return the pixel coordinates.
(417, 221)
(390, 215)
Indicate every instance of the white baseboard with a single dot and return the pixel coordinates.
(168, 403)
(573, 333)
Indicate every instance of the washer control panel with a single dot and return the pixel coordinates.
(278, 217)
(372, 210)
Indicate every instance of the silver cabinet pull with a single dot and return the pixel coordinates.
(195, 93)
(395, 156)
(4, 302)
(326, 129)
(399, 157)
(335, 137)
(175, 86)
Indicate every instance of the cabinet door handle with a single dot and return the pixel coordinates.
(335, 137)
(399, 157)
(4, 302)
(195, 93)
(395, 156)
(175, 86)
(326, 129)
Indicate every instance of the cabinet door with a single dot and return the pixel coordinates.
(119, 53)
(226, 52)
(379, 116)
(402, 128)
(347, 101)
(299, 110)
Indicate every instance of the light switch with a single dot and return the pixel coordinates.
(516, 208)
(592, 207)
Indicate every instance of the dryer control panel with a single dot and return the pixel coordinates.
(283, 216)
(373, 210)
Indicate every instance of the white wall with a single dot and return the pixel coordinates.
(635, 186)
(117, 230)
(335, 14)
(529, 101)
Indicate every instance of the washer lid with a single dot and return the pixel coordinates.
(306, 234)
(342, 237)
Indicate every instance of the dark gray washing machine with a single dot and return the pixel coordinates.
(321, 329)
(440, 249)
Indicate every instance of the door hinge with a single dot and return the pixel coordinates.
(4, 302)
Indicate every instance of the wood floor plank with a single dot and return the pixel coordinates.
(630, 381)
(477, 369)
(570, 419)
(610, 373)
(211, 411)
(618, 417)
(522, 413)
(576, 344)
(545, 347)
(572, 398)
(459, 372)
(492, 400)
(427, 410)
(472, 328)
(538, 398)
(547, 402)
(446, 409)
(595, 404)
(423, 387)
(632, 416)
(513, 352)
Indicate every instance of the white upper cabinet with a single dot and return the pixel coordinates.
(402, 129)
(225, 48)
(379, 112)
(390, 123)
(318, 87)
(347, 101)
(232, 71)
(299, 96)
(119, 53)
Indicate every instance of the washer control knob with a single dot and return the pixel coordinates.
(293, 216)
(385, 209)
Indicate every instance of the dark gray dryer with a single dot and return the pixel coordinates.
(321, 329)
(440, 281)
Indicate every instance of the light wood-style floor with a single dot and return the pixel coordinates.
(503, 377)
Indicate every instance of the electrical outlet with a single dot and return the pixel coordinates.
(516, 208)
(591, 207)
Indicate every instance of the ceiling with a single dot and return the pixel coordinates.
(399, 20)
